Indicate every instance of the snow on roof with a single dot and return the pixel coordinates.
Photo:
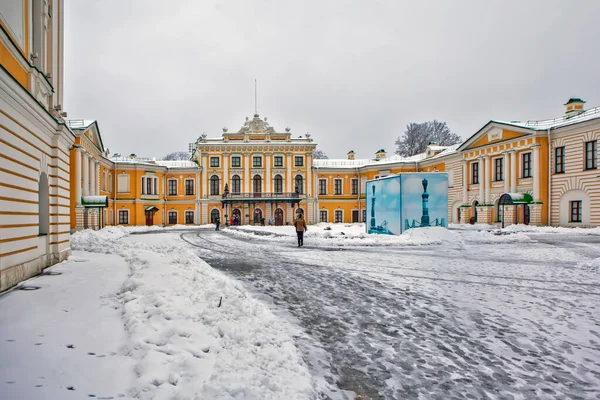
(79, 123)
(447, 151)
(590, 114)
(177, 163)
(344, 163)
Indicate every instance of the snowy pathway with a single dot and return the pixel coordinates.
(478, 316)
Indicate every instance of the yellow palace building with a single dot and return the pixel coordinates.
(56, 176)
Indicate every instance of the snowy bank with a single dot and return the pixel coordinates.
(192, 331)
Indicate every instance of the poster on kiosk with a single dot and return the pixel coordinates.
(400, 202)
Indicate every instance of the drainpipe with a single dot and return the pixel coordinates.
(549, 178)
(358, 194)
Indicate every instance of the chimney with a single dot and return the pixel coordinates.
(351, 155)
(379, 154)
(574, 107)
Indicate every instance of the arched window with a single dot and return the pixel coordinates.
(214, 185)
(278, 184)
(257, 184)
(214, 214)
(299, 184)
(44, 205)
(236, 184)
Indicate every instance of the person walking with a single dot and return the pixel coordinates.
(300, 225)
(217, 222)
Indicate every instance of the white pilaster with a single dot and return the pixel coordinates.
(246, 173)
(289, 179)
(86, 174)
(205, 188)
(309, 185)
(268, 177)
(481, 180)
(226, 171)
(487, 179)
(536, 172)
(465, 165)
(77, 176)
(506, 172)
(513, 171)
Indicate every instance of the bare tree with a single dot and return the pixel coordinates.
(418, 135)
(318, 154)
(178, 155)
(441, 134)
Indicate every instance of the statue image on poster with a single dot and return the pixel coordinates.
(412, 200)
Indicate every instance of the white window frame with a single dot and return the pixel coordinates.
(104, 181)
(341, 186)
(296, 158)
(185, 214)
(123, 180)
(236, 157)
(352, 215)
(357, 186)
(119, 217)
(282, 161)
(193, 186)
(335, 212)
(319, 187)
(169, 188)
(110, 182)
(176, 217)
(326, 215)
(210, 162)
(257, 158)
(154, 186)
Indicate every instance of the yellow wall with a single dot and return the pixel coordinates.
(13, 67)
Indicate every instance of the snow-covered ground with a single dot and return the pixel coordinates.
(470, 312)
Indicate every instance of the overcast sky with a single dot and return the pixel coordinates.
(157, 74)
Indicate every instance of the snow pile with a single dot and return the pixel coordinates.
(327, 234)
(495, 236)
(552, 229)
(192, 331)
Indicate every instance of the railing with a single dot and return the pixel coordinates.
(261, 195)
(550, 122)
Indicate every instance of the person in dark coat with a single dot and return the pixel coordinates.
(217, 222)
(300, 225)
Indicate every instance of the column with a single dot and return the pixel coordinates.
(77, 176)
(309, 186)
(481, 180)
(246, 172)
(513, 171)
(94, 177)
(506, 172)
(205, 188)
(289, 178)
(86, 174)
(226, 172)
(487, 179)
(536, 172)
(197, 208)
(465, 165)
(268, 177)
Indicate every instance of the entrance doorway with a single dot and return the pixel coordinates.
(526, 214)
(257, 215)
(278, 217)
(237, 216)
(149, 217)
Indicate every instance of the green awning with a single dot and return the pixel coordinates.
(515, 198)
(94, 201)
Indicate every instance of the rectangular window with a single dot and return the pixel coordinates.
(364, 216)
(338, 216)
(214, 162)
(355, 189)
(123, 217)
(499, 169)
(322, 187)
(172, 217)
(256, 161)
(278, 161)
(526, 173)
(323, 216)
(575, 211)
(123, 183)
(172, 187)
(338, 186)
(110, 183)
(189, 187)
(475, 173)
(591, 155)
(189, 217)
(559, 160)
(354, 215)
(104, 181)
(298, 161)
(149, 185)
(236, 162)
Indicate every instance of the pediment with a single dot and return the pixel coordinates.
(491, 133)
